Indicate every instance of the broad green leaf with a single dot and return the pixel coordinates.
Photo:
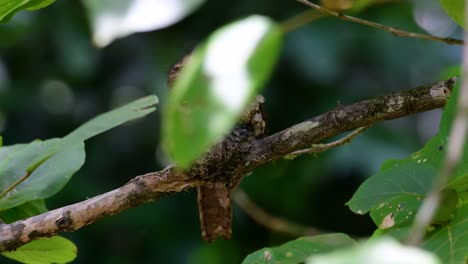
(447, 207)
(7, 150)
(113, 19)
(44, 251)
(384, 250)
(455, 9)
(400, 185)
(40, 169)
(111, 119)
(219, 80)
(449, 242)
(1, 141)
(297, 251)
(23, 211)
(396, 211)
(9, 7)
(20, 184)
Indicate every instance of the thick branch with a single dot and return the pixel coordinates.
(242, 159)
(140, 190)
(345, 118)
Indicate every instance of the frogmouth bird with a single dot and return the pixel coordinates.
(214, 201)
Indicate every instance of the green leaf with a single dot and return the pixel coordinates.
(44, 251)
(447, 207)
(384, 250)
(396, 211)
(111, 119)
(449, 242)
(455, 9)
(116, 19)
(58, 163)
(397, 190)
(40, 169)
(219, 80)
(297, 251)
(9, 7)
(23, 211)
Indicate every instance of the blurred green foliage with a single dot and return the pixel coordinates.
(52, 79)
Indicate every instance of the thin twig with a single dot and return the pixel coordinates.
(394, 31)
(317, 148)
(274, 223)
(456, 143)
(300, 20)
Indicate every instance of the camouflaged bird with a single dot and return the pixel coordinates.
(214, 201)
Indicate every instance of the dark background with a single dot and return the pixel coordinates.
(52, 79)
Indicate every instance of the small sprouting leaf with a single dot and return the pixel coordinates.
(297, 251)
(45, 251)
(9, 7)
(116, 19)
(216, 84)
(455, 9)
(384, 250)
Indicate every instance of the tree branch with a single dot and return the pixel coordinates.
(240, 159)
(140, 190)
(394, 31)
(346, 118)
